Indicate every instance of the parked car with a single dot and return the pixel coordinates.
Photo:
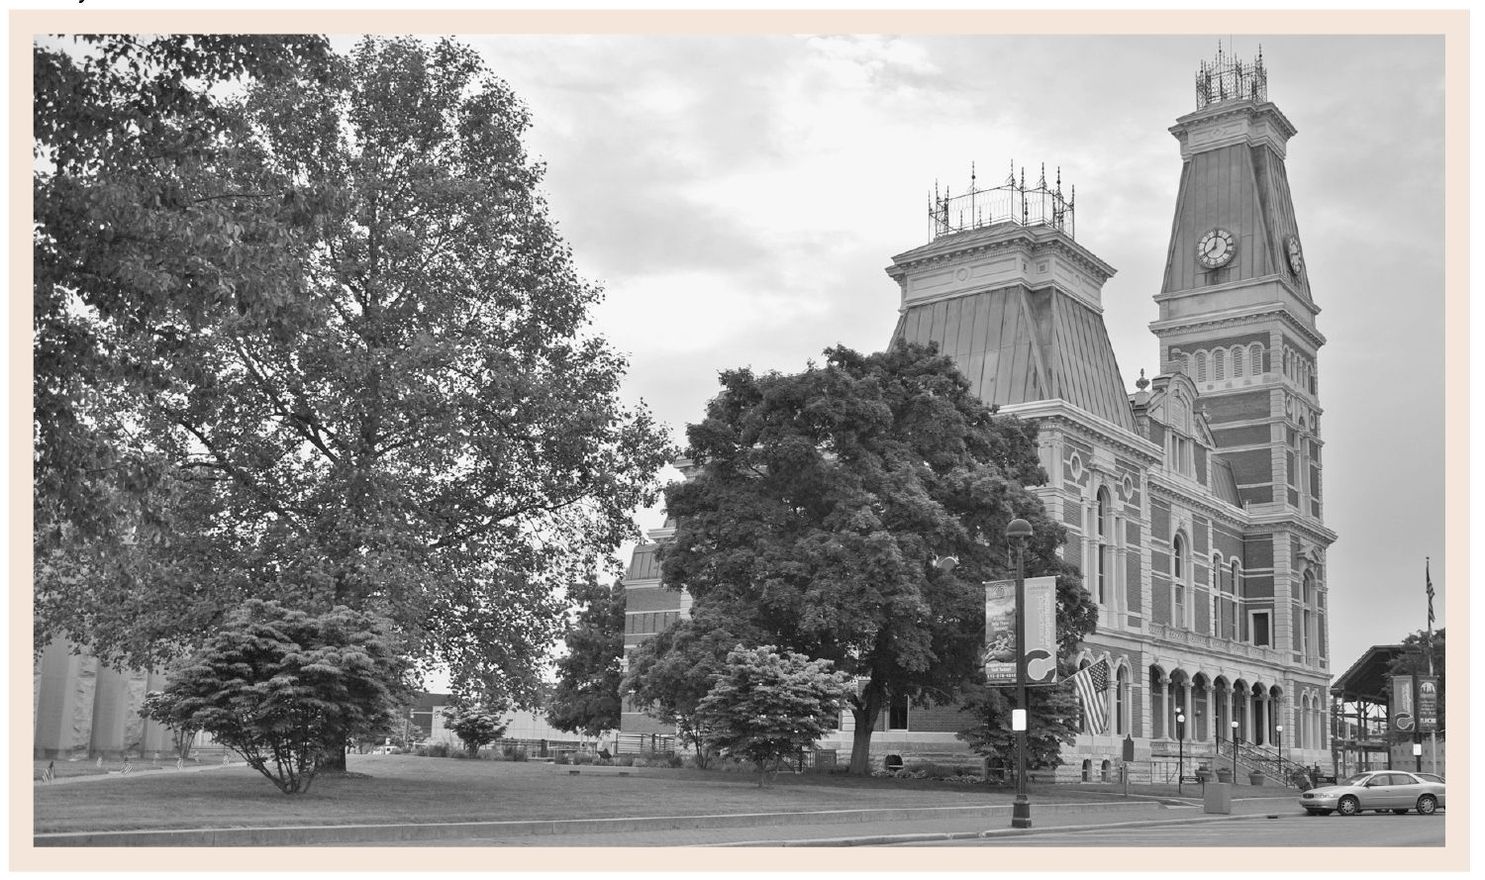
(1379, 790)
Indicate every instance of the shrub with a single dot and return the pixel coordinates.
(421, 751)
(579, 758)
(286, 690)
(438, 750)
(461, 755)
(476, 725)
(677, 761)
(624, 761)
(562, 758)
(513, 752)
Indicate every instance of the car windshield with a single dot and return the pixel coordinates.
(1358, 779)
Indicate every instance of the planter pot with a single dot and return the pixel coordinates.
(1224, 774)
(1255, 778)
(1203, 774)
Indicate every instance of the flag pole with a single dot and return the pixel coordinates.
(1433, 733)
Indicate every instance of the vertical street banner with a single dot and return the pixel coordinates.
(1400, 706)
(1041, 632)
(1428, 703)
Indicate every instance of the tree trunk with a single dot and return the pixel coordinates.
(866, 719)
(332, 758)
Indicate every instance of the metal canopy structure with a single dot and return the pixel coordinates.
(1357, 694)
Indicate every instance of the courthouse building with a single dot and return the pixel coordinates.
(1192, 502)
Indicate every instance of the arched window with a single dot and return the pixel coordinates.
(1201, 366)
(1235, 590)
(1237, 362)
(1213, 595)
(1180, 572)
(1105, 560)
(1121, 700)
(1308, 615)
(1219, 364)
(1255, 359)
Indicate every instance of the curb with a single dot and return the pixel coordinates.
(300, 835)
(931, 837)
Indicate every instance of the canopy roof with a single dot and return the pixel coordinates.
(1367, 677)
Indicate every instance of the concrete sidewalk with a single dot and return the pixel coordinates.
(814, 828)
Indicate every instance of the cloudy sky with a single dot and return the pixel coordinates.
(739, 196)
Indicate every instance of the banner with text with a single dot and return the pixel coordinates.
(1400, 707)
(1428, 703)
(1041, 632)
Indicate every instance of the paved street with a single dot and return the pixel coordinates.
(1287, 830)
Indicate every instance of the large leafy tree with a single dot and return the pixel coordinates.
(586, 698)
(352, 356)
(821, 500)
(766, 705)
(276, 685)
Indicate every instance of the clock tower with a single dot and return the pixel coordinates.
(1237, 317)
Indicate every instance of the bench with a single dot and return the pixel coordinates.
(1191, 779)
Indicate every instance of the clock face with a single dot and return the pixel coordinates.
(1296, 257)
(1216, 248)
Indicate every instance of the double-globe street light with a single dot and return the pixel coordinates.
(1017, 532)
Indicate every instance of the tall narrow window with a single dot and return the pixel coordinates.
(1180, 571)
(1201, 366)
(1255, 359)
(897, 715)
(1237, 362)
(1105, 549)
(1219, 364)
(1235, 590)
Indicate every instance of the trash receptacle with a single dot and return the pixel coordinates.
(1218, 797)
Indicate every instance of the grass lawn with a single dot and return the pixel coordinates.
(406, 788)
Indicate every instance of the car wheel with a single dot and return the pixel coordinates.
(1427, 804)
(1349, 806)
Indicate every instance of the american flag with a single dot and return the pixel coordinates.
(1091, 683)
(1428, 588)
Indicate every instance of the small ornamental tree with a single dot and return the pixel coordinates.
(276, 685)
(766, 706)
(160, 707)
(671, 672)
(477, 725)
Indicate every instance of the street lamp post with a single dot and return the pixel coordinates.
(1017, 533)
(1279, 741)
(1234, 750)
(1180, 751)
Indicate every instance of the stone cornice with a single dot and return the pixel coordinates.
(1252, 112)
(1292, 522)
(1162, 484)
(1279, 278)
(1000, 237)
(1235, 317)
(1083, 422)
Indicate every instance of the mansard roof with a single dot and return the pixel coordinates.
(1018, 345)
